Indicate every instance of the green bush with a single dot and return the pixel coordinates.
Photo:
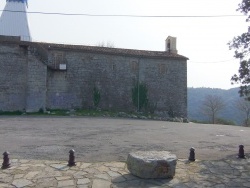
(96, 97)
(11, 112)
(140, 90)
(224, 121)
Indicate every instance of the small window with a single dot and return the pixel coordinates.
(162, 69)
(134, 66)
(58, 59)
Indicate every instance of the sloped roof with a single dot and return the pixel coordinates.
(115, 51)
(93, 49)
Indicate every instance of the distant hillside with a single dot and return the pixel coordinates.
(196, 97)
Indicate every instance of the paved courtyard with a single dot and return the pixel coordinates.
(39, 149)
(199, 174)
(108, 139)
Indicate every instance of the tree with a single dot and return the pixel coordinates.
(241, 45)
(211, 106)
(244, 106)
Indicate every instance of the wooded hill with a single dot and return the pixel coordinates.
(196, 97)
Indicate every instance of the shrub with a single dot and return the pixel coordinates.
(140, 90)
(96, 97)
(224, 121)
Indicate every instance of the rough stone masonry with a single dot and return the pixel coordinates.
(152, 164)
(36, 76)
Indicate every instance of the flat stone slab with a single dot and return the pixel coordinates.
(152, 164)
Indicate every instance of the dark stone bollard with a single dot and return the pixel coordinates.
(71, 158)
(192, 155)
(6, 160)
(241, 152)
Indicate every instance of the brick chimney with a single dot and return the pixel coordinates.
(171, 45)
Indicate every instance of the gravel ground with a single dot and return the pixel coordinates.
(110, 139)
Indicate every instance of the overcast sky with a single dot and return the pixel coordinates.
(202, 40)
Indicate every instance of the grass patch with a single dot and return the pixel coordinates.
(83, 112)
(12, 113)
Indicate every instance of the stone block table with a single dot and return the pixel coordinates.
(152, 164)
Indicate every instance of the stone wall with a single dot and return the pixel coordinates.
(115, 76)
(36, 84)
(29, 83)
(13, 77)
(74, 87)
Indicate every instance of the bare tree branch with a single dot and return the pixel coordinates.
(244, 107)
(211, 107)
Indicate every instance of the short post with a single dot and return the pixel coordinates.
(6, 160)
(241, 154)
(192, 154)
(71, 161)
